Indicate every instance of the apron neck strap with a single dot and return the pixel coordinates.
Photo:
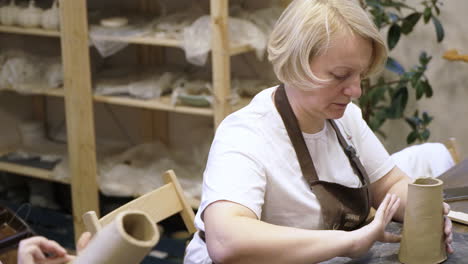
(297, 139)
(295, 134)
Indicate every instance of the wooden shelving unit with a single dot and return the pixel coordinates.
(79, 97)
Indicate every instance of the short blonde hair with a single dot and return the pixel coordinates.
(304, 30)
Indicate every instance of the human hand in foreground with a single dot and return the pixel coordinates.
(40, 250)
(364, 237)
(448, 229)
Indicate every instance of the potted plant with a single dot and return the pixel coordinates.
(386, 98)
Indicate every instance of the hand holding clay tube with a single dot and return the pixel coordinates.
(40, 250)
(448, 229)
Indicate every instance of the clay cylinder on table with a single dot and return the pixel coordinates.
(423, 227)
(126, 240)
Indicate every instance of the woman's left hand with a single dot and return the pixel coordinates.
(448, 229)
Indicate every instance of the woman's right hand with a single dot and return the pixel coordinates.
(364, 237)
(40, 250)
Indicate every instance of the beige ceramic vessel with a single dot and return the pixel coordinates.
(126, 240)
(423, 236)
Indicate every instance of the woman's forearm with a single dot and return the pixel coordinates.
(396, 182)
(246, 240)
(235, 235)
(400, 188)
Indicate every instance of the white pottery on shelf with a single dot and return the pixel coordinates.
(51, 17)
(114, 22)
(9, 14)
(30, 16)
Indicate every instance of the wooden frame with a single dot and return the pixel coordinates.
(159, 204)
(79, 109)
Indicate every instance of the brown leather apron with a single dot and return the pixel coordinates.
(343, 208)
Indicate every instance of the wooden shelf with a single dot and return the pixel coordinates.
(56, 92)
(30, 31)
(163, 103)
(234, 50)
(30, 171)
(239, 49)
(143, 40)
(37, 173)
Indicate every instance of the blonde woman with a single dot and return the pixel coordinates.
(291, 177)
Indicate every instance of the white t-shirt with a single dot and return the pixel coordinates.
(253, 163)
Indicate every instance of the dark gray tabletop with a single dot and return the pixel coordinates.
(387, 253)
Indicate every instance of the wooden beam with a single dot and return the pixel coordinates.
(79, 110)
(220, 59)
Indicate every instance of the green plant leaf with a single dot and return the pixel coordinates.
(377, 120)
(394, 66)
(394, 34)
(378, 94)
(437, 9)
(394, 4)
(439, 29)
(398, 103)
(409, 22)
(419, 90)
(413, 122)
(427, 14)
(424, 59)
(425, 134)
(427, 88)
(373, 3)
(412, 137)
(364, 99)
(415, 78)
(426, 119)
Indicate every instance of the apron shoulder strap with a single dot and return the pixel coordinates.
(350, 151)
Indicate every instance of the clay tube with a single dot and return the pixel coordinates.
(423, 235)
(126, 240)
